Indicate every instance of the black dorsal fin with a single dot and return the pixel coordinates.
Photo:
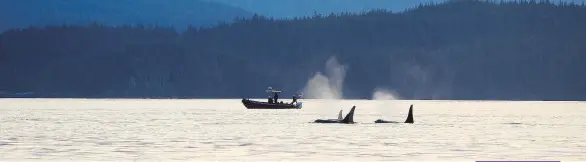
(410, 115)
(350, 116)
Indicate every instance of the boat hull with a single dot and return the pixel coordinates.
(250, 104)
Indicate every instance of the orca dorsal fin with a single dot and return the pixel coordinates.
(350, 116)
(410, 115)
(340, 116)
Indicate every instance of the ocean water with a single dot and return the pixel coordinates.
(223, 130)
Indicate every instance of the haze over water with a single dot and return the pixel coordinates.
(209, 130)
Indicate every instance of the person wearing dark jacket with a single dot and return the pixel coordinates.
(294, 99)
(276, 97)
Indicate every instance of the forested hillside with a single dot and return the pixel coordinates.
(457, 50)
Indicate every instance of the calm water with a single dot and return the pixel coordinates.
(223, 130)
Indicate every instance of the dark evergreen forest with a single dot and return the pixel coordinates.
(458, 50)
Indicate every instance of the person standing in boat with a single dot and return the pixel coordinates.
(276, 97)
(294, 99)
(270, 99)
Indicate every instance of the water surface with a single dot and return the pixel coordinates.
(223, 130)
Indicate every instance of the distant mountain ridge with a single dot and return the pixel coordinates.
(176, 13)
(300, 8)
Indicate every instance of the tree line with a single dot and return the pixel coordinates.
(457, 50)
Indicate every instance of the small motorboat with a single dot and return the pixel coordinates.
(250, 104)
(272, 102)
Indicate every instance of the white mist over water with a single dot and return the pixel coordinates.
(387, 110)
(328, 86)
(385, 94)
